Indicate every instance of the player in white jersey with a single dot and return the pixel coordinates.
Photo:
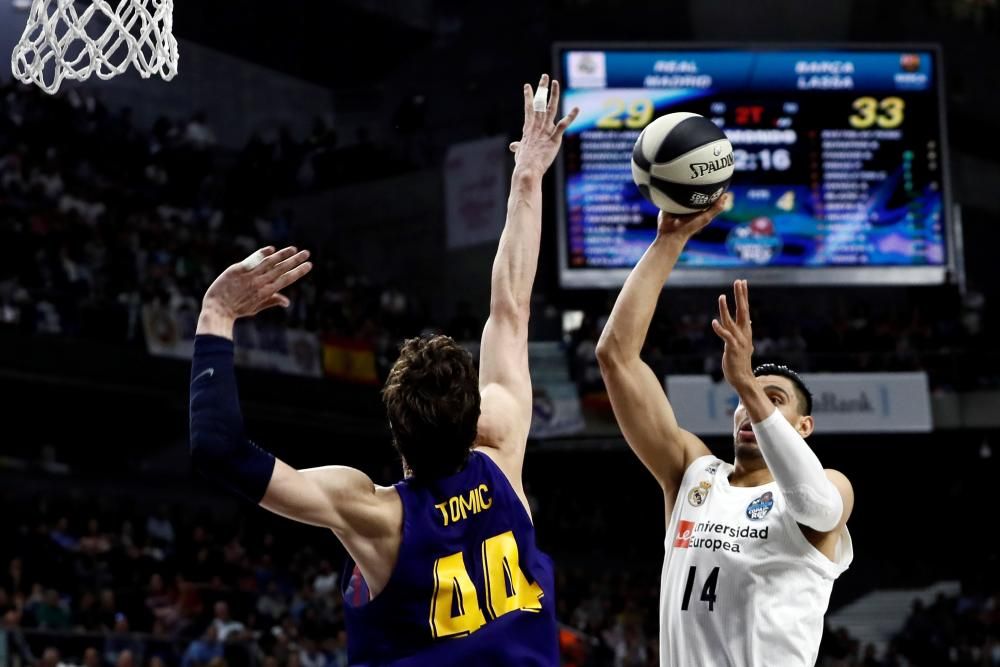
(753, 547)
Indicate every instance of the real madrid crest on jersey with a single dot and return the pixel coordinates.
(699, 494)
(759, 507)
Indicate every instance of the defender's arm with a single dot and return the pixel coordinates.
(504, 381)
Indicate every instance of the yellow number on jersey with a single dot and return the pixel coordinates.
(867, 108)
(454, 592)
(892, 112)
(507, 588)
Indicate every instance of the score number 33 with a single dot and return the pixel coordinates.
(886, 113)
(633, 115)
(455, 610)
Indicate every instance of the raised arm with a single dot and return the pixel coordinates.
(503, 358)
(334, 497)
(637, 397)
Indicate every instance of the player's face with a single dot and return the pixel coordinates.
(781, 391)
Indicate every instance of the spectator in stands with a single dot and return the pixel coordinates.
(94, 541)
(198, 134)
(326, 579)
(13, 580)
(121, 641)
(310, 655)
(271, 605)
(125, 659)
(162, 602)
(91, 657)
(52, 614)
(203, 651)
(225, 627)
(107, 609)
(61, 535)
(160, 528)
(17, 645)
(85, 616)
(51, 658)
(338, 652)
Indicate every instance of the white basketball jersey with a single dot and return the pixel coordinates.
(741, 584)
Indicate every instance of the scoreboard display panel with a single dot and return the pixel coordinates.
(839, 157)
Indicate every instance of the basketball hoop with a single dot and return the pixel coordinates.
(61, 43)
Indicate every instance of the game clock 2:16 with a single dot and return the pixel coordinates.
(764, 159)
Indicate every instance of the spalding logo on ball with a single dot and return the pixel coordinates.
(682, 163)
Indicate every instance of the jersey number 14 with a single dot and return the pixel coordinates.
(455, 610)
(707, 591)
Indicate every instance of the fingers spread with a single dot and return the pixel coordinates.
(553, 103)
(290, 277)
(268, 263)
(564, 123)
(724, 317)
(287, 265)
(254, 260)
(742, 303)
(528, 113)
(279, 300)
(723, 333)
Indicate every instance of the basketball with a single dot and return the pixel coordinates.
(682, 162)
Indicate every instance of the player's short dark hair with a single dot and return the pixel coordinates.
(432, 398)
(802, 392)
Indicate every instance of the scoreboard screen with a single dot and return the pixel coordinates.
(839, 159)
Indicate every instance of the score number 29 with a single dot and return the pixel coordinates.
(633, 115)
(886, 113)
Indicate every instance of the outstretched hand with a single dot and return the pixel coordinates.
(686, 226)
(541, 136)
(738, 337)
(255, 284)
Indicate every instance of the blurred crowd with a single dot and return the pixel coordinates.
(130, 590)
(938, 331)
(102, 583)
(99, 217)
(962, 630)
(95, 586)
(123, 589)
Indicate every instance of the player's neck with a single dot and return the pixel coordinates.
(750, 472)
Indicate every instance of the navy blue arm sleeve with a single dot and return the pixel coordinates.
(219, 446)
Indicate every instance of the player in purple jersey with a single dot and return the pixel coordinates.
(443, 565)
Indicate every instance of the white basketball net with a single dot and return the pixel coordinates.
(60, 42)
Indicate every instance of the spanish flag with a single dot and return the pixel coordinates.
(349, 359)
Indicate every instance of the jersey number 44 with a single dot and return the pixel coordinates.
(455, 609)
